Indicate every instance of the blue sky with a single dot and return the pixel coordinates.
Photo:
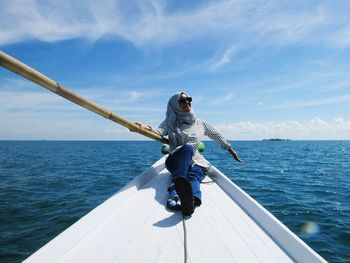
(254, 69)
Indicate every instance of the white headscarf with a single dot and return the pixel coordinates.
(175, 118)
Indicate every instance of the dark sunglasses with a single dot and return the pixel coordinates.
(186, 99)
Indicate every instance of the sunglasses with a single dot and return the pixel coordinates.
(185, 99)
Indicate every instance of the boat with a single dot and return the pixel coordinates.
(276, 139)
(135, 226)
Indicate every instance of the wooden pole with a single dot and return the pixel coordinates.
(27, 72)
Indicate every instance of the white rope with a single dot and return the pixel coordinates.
(184, 226)
(185, 239)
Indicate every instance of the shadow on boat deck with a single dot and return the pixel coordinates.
(170, 221)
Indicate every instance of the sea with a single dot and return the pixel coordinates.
(46, 186)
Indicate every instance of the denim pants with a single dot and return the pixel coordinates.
(179, 165)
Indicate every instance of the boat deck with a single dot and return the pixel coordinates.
(134, 226)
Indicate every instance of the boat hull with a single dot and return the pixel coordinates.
(134, 226)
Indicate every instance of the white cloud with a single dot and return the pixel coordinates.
(134, 95)
(60, 126)
(339, 120)
(341, 37)
(152, 23)
(21, 95)
(224, 59)
(35, 115)
(313, 129)
(222, 100)
(36, 101)
(28, 111)
(287, 23)
(309, 103)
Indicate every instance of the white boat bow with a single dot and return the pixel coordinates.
(134, 226)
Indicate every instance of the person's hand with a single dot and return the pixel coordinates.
(235, 155)
(142, 126)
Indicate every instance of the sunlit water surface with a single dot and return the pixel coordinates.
(45, 186)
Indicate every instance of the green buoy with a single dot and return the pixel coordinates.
(165, 149)
(201, 147)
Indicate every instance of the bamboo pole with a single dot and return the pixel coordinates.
(29, 73)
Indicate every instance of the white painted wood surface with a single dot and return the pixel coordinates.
(134, 226)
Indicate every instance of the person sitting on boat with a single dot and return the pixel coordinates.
(186, 164)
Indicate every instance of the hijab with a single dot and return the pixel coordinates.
(176, 119)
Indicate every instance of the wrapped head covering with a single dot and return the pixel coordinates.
(176, 118)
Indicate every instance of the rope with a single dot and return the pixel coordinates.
(184, 227)
(208, 182)
(185, 230)
(185, 240)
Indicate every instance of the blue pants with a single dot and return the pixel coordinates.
(179, 164)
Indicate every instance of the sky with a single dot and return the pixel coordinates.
(255, 69)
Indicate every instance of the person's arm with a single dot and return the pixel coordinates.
(213, 134)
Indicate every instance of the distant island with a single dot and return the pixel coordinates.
(276, 139)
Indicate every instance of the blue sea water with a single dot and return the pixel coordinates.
(45, 186)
